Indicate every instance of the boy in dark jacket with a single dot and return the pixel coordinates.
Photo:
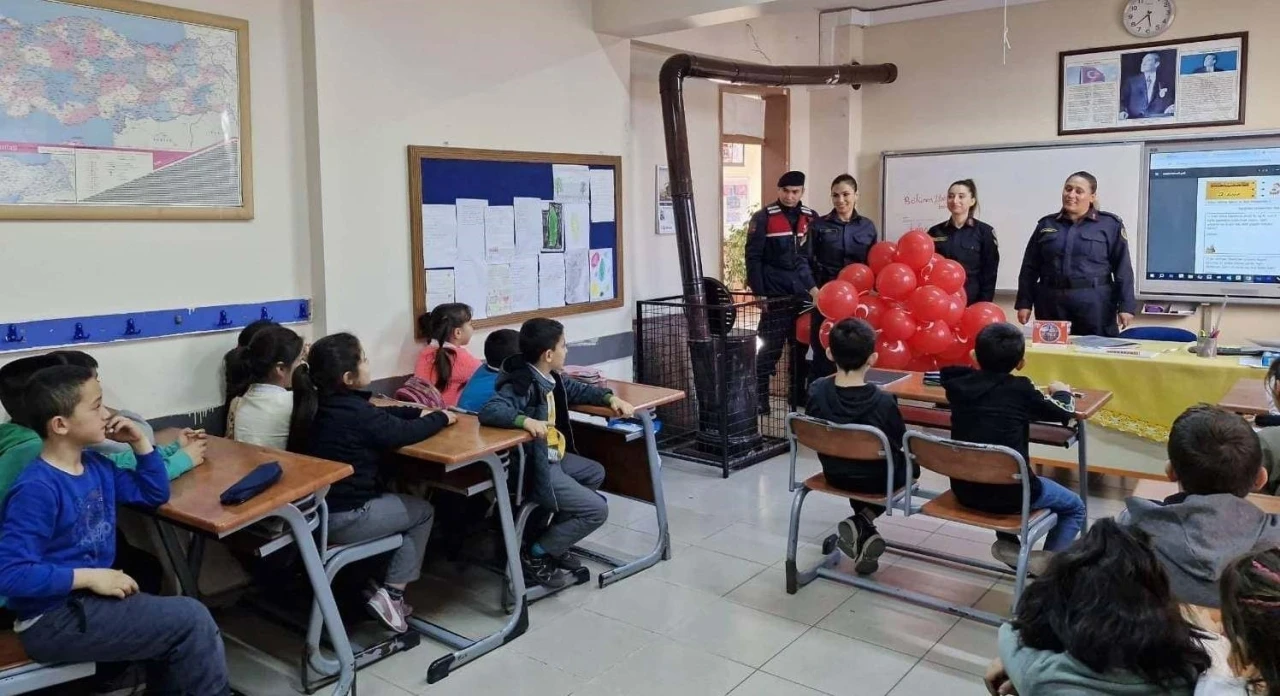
(846, 398)
(992, 406)
(532, 395)
(1215, 458)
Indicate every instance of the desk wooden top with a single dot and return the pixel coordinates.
(464, 442)
(913, 387)
(1248, 398)
(193, 498)
(641, 396)
(1159, 490)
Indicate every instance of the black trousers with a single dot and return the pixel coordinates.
(1091, 311)
(777, 333)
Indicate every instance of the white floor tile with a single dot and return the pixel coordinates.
(739, 633)
(706, 570)
(765, 684)
(968, 647)
(668, 669)
(646, 602)
(767, 592)
(748, 542)
(937, 579)
(407, 670)
(583, 643)
(625, 543)
(978, 550)
(684, 525)
(840, 666)
(889, 622)
(928, 679)
(507, 672)
(370, 685)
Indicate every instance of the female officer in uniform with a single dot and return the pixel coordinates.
(1076, 267)
(969, 241)
(840, 238)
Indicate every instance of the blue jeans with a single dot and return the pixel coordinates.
(1066, 504)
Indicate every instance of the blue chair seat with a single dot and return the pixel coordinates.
(1158, 333)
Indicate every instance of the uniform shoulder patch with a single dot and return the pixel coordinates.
(808, 211)
(773, 210)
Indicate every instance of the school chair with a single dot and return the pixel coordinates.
(1158, 333)
(19, 674)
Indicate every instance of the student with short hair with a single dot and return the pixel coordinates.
(262, 403)
(1099, 620)
(57, 544)
(533, 395)
(992, 406)
(445, 363)
(83, 359)
(1216, 461)
(846, 398)
(498, 347)
(1250, 608)
(345, 427)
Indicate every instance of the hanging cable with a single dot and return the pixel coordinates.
(1004, 48)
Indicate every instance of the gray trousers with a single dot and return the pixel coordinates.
(175, 636)
(389, 513)
(579, 509)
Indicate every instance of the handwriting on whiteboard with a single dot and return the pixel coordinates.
(938, 200)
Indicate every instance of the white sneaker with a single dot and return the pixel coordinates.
(387, 611)
(1006, 552)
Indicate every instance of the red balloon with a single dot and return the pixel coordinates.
(923, 363)
(837, 300)
(978, 316)
(870, 309)
(881, 255)
(956, 354)
(824, 333)
(896, 282)
(948, 275)
(929, 303)
(894, 355)
(931, 338)
(804, 324)
(897, 325)
(915, 249)
(936, 259)
(860, 276)
(955, 309)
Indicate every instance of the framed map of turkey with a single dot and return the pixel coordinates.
(123, 110)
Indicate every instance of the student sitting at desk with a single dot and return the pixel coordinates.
(1269, 433)
(531, 394)
(262, 403)
(346, 428)
(846, 397)
(1215, 459)
(500, 345)
(445, 363)
(232, 370)
(993, 406)
(57, 544)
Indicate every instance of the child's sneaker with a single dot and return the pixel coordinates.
(1006, 551)
(371, 588)
(861, 542)
(567, 561)
(542, 570)
(387, 610)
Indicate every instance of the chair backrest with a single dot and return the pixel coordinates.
(848, 441)
(965, 461)
(1158, 333)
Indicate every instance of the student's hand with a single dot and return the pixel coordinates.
(1056, 387)
(450, 417)
(196, 450)
(122, 429)
(1024, 316)
(188, 436)
(998, 683)
(1125, 320)
(621, 407)
(104, 581)
(535, 428)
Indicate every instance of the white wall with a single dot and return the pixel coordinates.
(61, 269)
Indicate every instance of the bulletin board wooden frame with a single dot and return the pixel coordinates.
(418, 153)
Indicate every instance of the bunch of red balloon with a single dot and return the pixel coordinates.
(916, 301)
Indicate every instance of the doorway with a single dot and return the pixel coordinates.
(754, 149)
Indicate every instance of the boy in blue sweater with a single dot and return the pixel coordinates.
(57, 543)
(500, 345)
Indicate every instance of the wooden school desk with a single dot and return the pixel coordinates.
(1248, 397)
(1088, 404)
(194, 505)
(458, 446)
(625, 475)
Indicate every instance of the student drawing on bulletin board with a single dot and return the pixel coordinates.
(553, 228)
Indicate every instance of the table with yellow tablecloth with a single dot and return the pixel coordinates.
(1149, 392)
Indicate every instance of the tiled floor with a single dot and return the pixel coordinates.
(714, 620)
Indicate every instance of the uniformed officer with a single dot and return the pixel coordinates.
(840, 238)
(777, 256)
(1076, 266)
(969, 241)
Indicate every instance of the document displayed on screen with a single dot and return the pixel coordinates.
(1238, 225)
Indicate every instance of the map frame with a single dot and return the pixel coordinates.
(89, 211)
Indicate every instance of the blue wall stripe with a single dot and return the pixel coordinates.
(134, 326)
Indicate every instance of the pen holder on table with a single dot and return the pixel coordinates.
(1207, 347)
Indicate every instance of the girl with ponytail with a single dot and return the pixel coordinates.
(445, 363)
(272, 392)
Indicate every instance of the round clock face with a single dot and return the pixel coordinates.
(1147, 18)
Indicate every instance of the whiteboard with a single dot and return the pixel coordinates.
(1016, 187)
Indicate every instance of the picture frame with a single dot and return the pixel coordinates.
(1161, 85)
(664, 206)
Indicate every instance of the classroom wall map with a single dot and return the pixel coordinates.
(108, 108)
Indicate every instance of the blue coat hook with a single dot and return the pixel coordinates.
(265, 314)
(80, 334)
(13, 335)
(304, 310)
(223, 319)
(131, 328)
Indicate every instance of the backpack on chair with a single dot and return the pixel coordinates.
(421, 392)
